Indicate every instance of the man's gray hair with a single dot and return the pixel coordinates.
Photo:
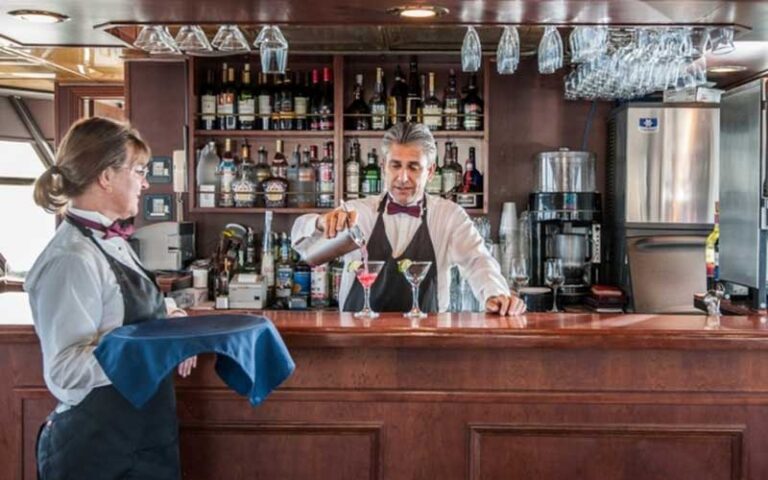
(410, 133)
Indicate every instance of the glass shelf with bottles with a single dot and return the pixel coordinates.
(415, 100)
(237, 184)
(297, 101)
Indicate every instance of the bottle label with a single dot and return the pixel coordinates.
(451, 113)
(319, 285)
(302, 283)
(283, 281)
(226, 179)
(449, 182)
(208, 106)
(226, 104)
(435, 185)
(433, 117)
(353, 182)
(265, 105)
(274, 194)
(247, 109)
(378, 116)
(472, 117)
(326, 177)
(300, 107)
(307, 175)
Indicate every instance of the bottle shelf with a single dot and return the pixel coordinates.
(265, 133)
(287, 210)
(437, 134)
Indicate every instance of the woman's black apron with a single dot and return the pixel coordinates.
(104, 436)
(391, 292)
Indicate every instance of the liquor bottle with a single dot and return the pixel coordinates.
(305, 197)
(227, 106)
(246, 101)
(287, 113)
(433, 109)
(277, 101)
(276, 186)
(265, 103)
(227, 173)
(472, 184)
(423, 96)
(261, 172)
(284, 274)
(206, 176)
(450, 181)
(244, 189)
(250, 250)
(302, 286)
(319, 289)
(712, 251)
(314, 101)
(435, 184)
(222, 286)
(459, 172)
(325, 107)
(208, 102)
(352, 172)
(293, 177)
(378, 105)
(397, 98)
(301, 103)
(268, 257)
(358, 112)
(414, 99)
(372, 175)
(452, 103)
(472, 105)
(326, 180)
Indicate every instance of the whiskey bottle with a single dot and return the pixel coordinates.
(414, 99)
(452, 103)
(473, 106)
(398, 97)
(433, 109)
(208, 103)
(378, 105)
(358, 113)
(243, 188)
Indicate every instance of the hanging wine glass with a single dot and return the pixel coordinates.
(471, 51)
(508, 51)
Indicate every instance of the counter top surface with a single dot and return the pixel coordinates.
(329, 328)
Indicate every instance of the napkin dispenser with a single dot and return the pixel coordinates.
(165, 245)
(248, 290)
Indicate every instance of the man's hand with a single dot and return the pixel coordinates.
(505, 305)
(335, 221)
(185, 367)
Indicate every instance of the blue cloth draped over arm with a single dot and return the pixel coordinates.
(251, 356)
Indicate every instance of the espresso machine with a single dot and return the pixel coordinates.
(565, 216)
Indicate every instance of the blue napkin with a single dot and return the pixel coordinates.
(252, 358)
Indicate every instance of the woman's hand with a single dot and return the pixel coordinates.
(185, 367)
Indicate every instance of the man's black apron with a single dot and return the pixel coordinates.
(391, 292)
(104, 436)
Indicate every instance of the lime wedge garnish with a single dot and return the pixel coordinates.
(354, 265)
(403, 265)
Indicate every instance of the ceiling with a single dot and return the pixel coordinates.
(311, 25)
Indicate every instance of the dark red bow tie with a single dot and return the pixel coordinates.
(117, 229)
(395, 208)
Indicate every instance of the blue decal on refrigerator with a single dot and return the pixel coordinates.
(648, 124)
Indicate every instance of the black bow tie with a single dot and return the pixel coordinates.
(395, 208)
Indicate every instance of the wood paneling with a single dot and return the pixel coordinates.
(618, 452)
(659, 397)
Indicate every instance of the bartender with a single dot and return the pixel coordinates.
(85, 283)
(406, 223)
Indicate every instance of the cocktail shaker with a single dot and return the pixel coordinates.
(327, 249)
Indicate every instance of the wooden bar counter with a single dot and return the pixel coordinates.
(543, 396)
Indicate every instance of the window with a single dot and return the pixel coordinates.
(25, 228)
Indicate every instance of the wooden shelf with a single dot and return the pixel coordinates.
(265, 133)
(438, 134)
(277, 211)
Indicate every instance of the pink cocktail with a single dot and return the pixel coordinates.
(366, 275)
(366, 279)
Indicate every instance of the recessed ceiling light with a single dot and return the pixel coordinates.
(418, 11)
(39, 16)
(727, 69)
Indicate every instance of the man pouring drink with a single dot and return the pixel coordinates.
(405, 226)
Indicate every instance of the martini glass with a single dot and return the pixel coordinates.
(366, 274)
(415, 273)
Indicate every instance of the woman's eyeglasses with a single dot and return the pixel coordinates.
(140, 170)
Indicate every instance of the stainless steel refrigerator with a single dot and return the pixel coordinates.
(663, 169)
(744, 190)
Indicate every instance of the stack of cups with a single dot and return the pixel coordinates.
(508, 236)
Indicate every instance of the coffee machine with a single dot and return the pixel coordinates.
(565, 216)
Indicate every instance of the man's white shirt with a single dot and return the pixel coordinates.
(454, 238)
